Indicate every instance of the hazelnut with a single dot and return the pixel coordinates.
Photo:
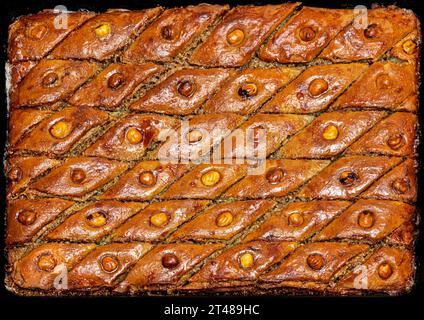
(116, 80)
(385, 270)
(330, 132)
(347, 178)
(78, 176)
(96, 219)
(102, 30)
(50, 79)
(396, 141)
(366, 219)
(383, 81)
(224, 219)
(210, 178)
(296, 219)
(307, 34)
(159, 219)
(14, 174)
(246, 260)
(194, 136)
(401, 185)
(147, 178)
(372, 31)
(60, 129)
(37, 31)
(46, 262)
(169, 33)
(315, 261)
(248, 90)
(109, 263)
(235, 37)
(134, 136)
(274, 175)
(317, 87)
(186, 88)
(170, 260)
(409, 46)
(26, 217)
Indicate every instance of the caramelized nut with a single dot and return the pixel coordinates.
(116, 80)
(194, 136)
(248, 90)
(186, 88)
(246, 260)
(169, 33)
(109, 263)
(15, 174)
(37, 31)
(134, 136)
(396, 141)
(383, 82)
(170, 260)
(60, 129)
(274, 175)
(401, 185)
(366, 219)
(330, 132)
(371, 31)
(50, 79)
(296, 219)
(385, 270)
(347, 178)
(211, 178)
(409, 46)
(315, 261)
(46, 262)
(102, 30)
(235, 37)
(224, 219)
(26, 217)
(78, 176)
(317, 87)
(307, 34)
(159, 219)
(96, 219)
(147, 178)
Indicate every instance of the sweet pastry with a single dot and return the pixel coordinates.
(247, 150)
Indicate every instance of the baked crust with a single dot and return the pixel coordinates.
(248, 150)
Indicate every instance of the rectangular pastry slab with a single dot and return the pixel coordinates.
(95, 106)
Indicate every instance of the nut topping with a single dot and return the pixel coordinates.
(224, 219)
(296, 219)
(37, 31)
(186, 88)
(372, 31)
(14, 174)
(317, 87)
(235, 37)
(246, 260)
(396, 141)
(248, 90)
(385, 270)
(46, 262)
(307, 34)
(401, 186)
(347, 178)
(169, 33)
(330, 133)
(78, 176)
(194, 136)
(409, 47)
(116, 80)
(26, 217)
(134, 136)
(50, 79)
(211, 178)
(96, 219)
(147, 178)
(315, 261)
(60, 129)
(274, 175)
(159, 219)
(366, 219)
(102, 30)
(170, 260)
(109, 263)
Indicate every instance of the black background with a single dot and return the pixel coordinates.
(152, 307)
